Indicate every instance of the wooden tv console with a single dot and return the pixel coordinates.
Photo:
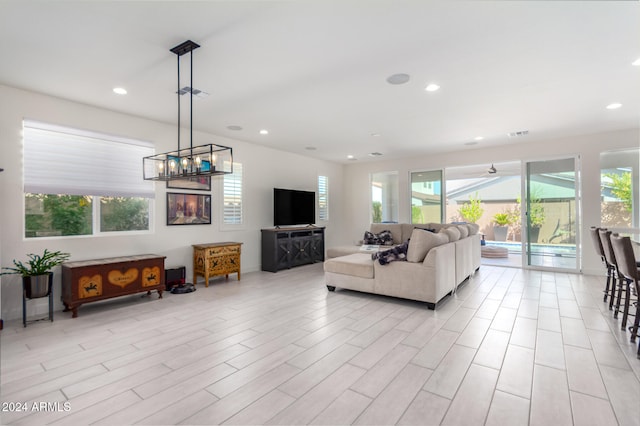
(87, 281)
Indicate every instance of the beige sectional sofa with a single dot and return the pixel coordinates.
(437, 263)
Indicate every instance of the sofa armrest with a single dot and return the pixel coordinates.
(427, 281)
(443, 261)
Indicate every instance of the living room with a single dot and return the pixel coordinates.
(267, 165)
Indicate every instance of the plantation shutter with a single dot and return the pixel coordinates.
(232, 213)
(323, 198)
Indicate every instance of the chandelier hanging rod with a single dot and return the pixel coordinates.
(204, 160)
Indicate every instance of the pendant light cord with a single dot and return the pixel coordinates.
(191, 107)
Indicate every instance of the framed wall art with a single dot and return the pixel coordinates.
(188, 209)
(196, 183)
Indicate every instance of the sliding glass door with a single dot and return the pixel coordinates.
(551, 214)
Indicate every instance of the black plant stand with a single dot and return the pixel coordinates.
(26, 294)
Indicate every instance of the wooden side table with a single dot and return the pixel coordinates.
(215, 259)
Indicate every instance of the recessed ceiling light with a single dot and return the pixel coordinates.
(614, 105)
(264, 132)
(351, 157)
(398, 78)
(375, 135)
(234, 127)
(120, 90)
(432, 87)
(636, 62)
(478, 138)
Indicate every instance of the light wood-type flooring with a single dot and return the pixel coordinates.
(511, 347)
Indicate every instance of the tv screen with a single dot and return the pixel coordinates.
(291, 207)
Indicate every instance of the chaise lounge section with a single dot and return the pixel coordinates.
(437, 263)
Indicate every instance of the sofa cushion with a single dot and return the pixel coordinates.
(452, 232)
(474, 228)
(341, 251)
(437, 227)
(464, 230)
(421, 242)
(358, 264)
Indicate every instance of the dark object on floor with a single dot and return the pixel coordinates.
(174, 277)
(184, 288)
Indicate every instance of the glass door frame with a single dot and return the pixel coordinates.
(525, 206)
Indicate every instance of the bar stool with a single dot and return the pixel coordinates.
(597, 243)
(630, 273)
(610, 261)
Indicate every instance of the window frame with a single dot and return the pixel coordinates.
(38, 134)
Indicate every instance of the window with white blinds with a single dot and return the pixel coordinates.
(63, 160)
(323, 198)
(78, 182)
(232, 203)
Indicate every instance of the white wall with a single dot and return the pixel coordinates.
(588, 147)
(264, 169)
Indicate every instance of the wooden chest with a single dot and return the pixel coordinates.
(98, 279)
(216, 259)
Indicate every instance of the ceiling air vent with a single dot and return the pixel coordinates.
(196, 92)
(518, 134)
(375, 154)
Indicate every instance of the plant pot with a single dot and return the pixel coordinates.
(37, 285)
(534, 233)
(500, 233)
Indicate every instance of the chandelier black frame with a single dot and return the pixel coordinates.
(202, 160)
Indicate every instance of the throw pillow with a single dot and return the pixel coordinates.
(384, 238)
(399, 252)
(421, 242)
(453, 233)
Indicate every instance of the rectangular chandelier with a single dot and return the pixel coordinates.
(203, 160)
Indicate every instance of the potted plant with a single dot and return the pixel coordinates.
(536, 217)
(36, 272)
(501, 226)
(471, 211)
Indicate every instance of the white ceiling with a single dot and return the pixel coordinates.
(314, 72)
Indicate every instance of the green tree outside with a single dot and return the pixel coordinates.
(472, 211)
(376, 209)
(621, 188)
(123, 214)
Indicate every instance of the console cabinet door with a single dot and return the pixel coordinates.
(317, 248)
(300, 251)
(283, 253)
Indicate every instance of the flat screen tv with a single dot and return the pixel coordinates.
(292, 207)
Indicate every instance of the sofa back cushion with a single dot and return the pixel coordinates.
(436, 226)
(452, 232)
(474, 228)
(421, 242)
(464, 231)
